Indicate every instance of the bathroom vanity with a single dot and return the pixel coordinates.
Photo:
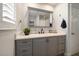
(48, 44)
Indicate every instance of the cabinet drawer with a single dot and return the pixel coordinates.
(24, 42)
(61, 47)
(20, 46)
(24, 51)
(25, 46)
(61, 40)
(61, 43)
(61, 51)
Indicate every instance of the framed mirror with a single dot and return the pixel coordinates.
(38, 17)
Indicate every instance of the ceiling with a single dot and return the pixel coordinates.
(53, 4)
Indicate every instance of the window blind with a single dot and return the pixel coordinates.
(9, 12)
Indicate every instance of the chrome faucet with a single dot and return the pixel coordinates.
(42, 31)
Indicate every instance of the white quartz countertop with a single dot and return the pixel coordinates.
(38, 35)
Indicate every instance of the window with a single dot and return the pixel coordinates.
(9, 12)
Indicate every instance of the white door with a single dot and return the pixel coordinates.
(74, 41)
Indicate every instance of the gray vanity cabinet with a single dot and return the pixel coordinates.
(39, 47)
(45, 46)
(52, 46)
(23, 47)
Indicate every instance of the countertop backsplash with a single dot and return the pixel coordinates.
(45, 30)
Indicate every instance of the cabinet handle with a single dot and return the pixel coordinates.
(72, 33)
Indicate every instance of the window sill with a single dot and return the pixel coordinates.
(1, 29)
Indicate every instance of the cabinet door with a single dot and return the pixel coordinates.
(39, 47)
(23, 47)
(52, 46)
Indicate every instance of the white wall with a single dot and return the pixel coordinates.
(7, 42)
(0, 11)
(21, 13)
(60, 12)
(6, 37)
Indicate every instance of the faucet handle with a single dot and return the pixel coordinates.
(39, 32)
(42, 29)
